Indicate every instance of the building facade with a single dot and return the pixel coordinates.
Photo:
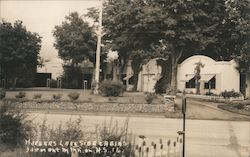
(216, 76)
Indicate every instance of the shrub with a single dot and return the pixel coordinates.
(73, 96)
(14, 128)
(53, 83)
(2, 94)
(160, 86)
(57, 96)
(112, 99)
(21, 95)
(111, 88)
(149, 97)
(191, 92)
(209, 93)
(37, 96)
(179, 91)
(171, 91)
(228, 94)
(240, 106)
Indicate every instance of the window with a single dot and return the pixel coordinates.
(211, 84)
(190, 83)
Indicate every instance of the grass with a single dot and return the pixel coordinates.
(235, 108)
(85, 96)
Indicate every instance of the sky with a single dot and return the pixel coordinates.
(42, 16)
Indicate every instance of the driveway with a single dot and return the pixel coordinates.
(199, 109)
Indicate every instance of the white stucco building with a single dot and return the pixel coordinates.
(147, 78)
(149, 75)
(216, 76)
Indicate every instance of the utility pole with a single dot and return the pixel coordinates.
(98, 50)
(184, 108)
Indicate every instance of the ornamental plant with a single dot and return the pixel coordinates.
(73, 96)
(37, 96)
(57, 96)
(149, 97)
(21, 95)
(229, 94)
(112, 88)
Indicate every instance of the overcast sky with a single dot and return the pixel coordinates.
(41, 16)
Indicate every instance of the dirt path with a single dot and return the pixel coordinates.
(197, 109)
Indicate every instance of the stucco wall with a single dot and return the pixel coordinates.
(149, 76)
(227, 76)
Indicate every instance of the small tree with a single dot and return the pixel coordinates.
(112, 58)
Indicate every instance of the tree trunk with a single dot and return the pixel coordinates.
(136, 66)
(175, 57)
(114, 70)
(173, 83)
(122, 65)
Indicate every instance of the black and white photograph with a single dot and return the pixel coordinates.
(124, 78)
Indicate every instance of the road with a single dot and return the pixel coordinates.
(204, 138)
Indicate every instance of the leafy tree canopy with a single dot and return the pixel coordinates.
(238, 24)
(19, 55)
(75, 39)
(177, 29)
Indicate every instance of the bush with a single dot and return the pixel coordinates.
(53, 83)
(160, 86)
(240, 106)
(229, 94)
(191, 92)
(14, 128)
(57, 96)
(149, 97)
(2, 94)
(21, 95)
(37, 96)
(171, 91)
(73, 96)
(111, 88)
(209, 93)
(179, 91)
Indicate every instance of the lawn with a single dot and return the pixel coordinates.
(241, 107)
(129, 102)
(85, 96)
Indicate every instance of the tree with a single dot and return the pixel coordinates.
(175, 30)
(19, 55)
(75, 42)
(126, 33)
(189, 27)
(112, 58)
(238, 32)
(75, 39)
